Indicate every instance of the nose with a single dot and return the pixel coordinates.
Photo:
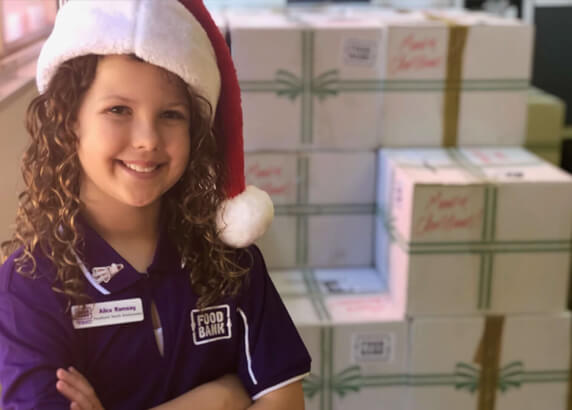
(146, 135)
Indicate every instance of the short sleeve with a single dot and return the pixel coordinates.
(272, 353)
(34, 343)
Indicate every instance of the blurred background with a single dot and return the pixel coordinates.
(418, 153)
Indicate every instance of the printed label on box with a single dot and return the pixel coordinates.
(449, 211)
(417, 53)
(362, 52)
(372, 351)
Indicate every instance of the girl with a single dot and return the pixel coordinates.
(130, 259)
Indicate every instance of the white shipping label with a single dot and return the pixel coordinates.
(360, 52)
(107, 313)
(372, 347)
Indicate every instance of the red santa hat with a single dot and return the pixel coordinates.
(181, 37)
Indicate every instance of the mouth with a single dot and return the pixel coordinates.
(140, 167)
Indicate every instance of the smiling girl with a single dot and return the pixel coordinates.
(131, 280)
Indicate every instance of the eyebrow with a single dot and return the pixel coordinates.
(125, 99)
(116, 97)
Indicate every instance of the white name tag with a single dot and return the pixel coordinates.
(107, 313)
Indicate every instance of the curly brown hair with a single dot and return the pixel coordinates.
(49, 206)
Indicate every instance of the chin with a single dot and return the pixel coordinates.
(141, 203)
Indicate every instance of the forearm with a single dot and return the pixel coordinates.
(225, 393)
(290, 397)
(200, 398)
(287, 404)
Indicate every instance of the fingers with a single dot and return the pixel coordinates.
(76, 380)
(83, 382)
(77, 399)
(76, 388)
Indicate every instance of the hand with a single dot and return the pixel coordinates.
(77, 390)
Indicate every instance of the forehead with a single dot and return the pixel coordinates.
(124, 74)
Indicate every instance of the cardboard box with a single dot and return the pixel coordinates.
(219, 5)
(448, 73)
(474, 231)
(324, 204)
(366, 355)
(523, 363)
(307, 83)
(358, 342)
(545, 125)
(547, 153)
(365, 78)
(293, 283)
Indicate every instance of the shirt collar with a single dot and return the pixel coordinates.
(108, 272)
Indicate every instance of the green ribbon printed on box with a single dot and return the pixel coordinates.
(308, 85)
(302, 210)
(487, 247)
(466, 377)
(328, 384)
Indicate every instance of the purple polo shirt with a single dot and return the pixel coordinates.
(251, 334)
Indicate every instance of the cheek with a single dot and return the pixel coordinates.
(180, 151)
(99, 143)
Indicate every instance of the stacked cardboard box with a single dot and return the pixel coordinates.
(384, 78)
(367, 356)
(517, 362)
(490, 226)
(446, 289)
(291, 74)
(449, 80)
(313, 149)
(475, 244)
(324, 206)
(356, 335)
(302, 133)
(545, 126)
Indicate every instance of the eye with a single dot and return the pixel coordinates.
(119, 110)
(173, 115)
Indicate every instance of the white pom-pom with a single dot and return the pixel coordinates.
(243, 219)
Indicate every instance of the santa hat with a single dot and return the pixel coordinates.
(181, 37)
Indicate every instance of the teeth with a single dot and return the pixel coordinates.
(140, 169)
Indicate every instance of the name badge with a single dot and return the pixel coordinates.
(114, 312)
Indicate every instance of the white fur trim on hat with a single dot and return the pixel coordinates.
(243, 219)
(161, 32)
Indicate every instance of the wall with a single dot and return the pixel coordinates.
(13, 139)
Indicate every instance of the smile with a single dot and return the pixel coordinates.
(139, 168)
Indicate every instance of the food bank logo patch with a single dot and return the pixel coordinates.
(210, 324)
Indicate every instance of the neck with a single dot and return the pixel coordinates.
(132, 232)
(121, 222)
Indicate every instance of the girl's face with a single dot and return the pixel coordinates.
(133, 133)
